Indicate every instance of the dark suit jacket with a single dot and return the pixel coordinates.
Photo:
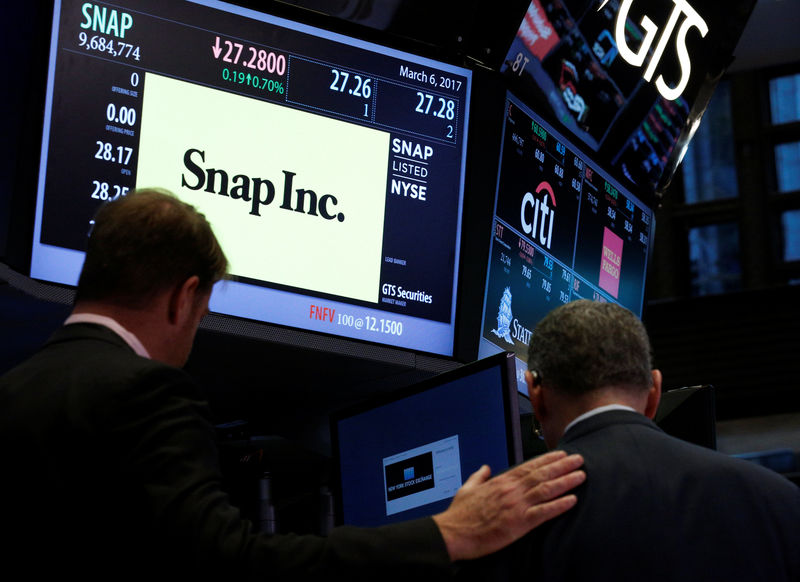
(110, 471)
(655, 508)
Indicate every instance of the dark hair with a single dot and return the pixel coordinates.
(145, 242)
(585, 345)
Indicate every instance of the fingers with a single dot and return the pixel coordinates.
(552, 488)
(478, 477)
(548, 467)
(540, 513)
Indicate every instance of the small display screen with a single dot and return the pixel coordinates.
(564, 229)
(407, 454)
(331, 169)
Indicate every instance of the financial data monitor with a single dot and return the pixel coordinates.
(331, 168)
(563, 229)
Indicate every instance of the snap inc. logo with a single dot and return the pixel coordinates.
(257, 191)
(636, 58)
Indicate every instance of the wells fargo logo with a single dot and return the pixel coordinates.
(636, 58)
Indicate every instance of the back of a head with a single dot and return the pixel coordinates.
(144, 243)
(586, 345)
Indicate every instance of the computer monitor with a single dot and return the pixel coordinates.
(330, 167)
(563, 229)
(406, 454)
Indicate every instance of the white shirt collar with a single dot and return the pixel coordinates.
(114, 326)
(597, 410)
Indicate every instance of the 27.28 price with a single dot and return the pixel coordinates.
(437, 106)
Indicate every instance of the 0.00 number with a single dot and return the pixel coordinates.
(123, 115)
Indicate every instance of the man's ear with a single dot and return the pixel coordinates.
(535, 394)
(653, 395)
(182, 299)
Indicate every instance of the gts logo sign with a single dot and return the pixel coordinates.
(636, 58)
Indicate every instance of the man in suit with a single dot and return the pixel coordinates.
(110, 468)
(653, 507)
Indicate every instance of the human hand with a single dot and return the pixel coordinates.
(488, 514)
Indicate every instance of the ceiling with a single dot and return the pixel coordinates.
(771, 36)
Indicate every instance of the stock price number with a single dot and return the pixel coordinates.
(108, 153)
(439, 107)
(248, 56)
(357, 87)
(122, 115)
(106, 192)
(387, 326)
(527, 272)
(360, 87)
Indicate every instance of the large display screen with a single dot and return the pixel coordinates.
(630, 80)
(564, 229)
(406, 454)
(330, 168)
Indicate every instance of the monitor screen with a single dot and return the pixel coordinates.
(563, 229)
(331, 168)
(629, 79)
(406, 455)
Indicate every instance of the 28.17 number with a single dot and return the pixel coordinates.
(106, 151)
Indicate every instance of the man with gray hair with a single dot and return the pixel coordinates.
(653, 507)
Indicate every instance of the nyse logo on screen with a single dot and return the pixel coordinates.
(537, 217)
(636, 58)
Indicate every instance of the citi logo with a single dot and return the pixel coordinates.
(636, 58)
(536, 216)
